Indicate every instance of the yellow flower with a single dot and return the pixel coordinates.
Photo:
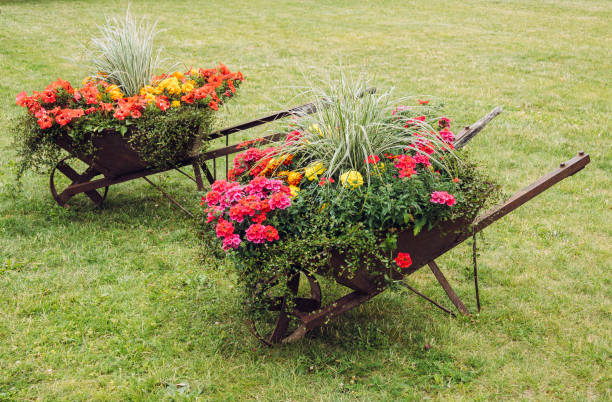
(150, 98)
(194, 73)
(316, 129)
(351, 179)
(294, 178)
(147, 89)
(114, 92)
(87, 80)
(178, 74)
(378, 168)
(294, 191)
(313, 170)
(187, 87)
(175, 103)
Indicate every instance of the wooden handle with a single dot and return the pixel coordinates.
(564, 170)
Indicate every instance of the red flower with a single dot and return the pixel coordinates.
(403, 260)
(271, 233)
(423, 102)
(162, 103)
(372, 159)
(405, 164)
(456, 180)
(326, 180)
(231, 241)
(213, 105)
(224, 228)
(442, 197)
(48, 96)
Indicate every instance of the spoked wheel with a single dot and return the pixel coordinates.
(75, 178)
(278, 328)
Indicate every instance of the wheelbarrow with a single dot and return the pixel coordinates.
(368, 281)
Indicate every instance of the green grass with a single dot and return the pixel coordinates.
(116, 303)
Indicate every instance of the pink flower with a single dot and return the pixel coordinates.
(444, 122)
(231, 241)
(400, 108)
(256, 233)
(447, 136)
(442, 197)
(279, 200)
(423, 159)
(234, 193)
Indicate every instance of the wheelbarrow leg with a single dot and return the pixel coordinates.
(447, 288)
(198, 176)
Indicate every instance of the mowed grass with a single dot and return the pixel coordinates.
(119, 302)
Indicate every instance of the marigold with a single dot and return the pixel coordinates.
(313, 170)
(294, 178)
(351, 179)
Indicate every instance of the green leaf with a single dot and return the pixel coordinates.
(418, 225)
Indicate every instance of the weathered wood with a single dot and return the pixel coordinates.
(447, 288)
(564, 170)
(470, 132)
(301, 110)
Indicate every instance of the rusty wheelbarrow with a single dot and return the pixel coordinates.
(424, 249)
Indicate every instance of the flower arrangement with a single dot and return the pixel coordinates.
(341, 183)
(164, 118)
(182, 102)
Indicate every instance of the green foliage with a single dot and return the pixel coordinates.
(164, 139)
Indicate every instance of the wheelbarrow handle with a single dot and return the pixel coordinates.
(564, 170)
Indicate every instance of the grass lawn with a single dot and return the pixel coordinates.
(117, 303)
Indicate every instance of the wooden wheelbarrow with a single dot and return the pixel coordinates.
(424, 248)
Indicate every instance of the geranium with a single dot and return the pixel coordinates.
(444, 122)
(257, 233)
(403, 260)
(422, 159)
(447, 136)
(231, 241)
(224, 228)
(405, 165)
(442, 197)
(280, 201)
(372, 159)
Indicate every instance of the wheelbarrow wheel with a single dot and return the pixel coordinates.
(62, 198)
(280, 329)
